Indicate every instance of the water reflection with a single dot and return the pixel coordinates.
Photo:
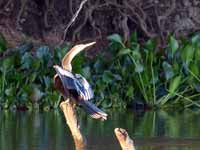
(151, 131)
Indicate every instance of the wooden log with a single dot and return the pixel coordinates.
(123, 138)
(71, 120)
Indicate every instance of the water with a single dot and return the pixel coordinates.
(150, 131)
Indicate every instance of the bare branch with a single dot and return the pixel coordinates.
(73, 19)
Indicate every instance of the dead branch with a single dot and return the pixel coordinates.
(71, 120)
(169, 11)
(70, 7)
(72, 20)
(123, 138)
(8, 4)
(141, 20)
(79, 28)
(21, 11)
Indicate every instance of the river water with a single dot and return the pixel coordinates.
(158, 130)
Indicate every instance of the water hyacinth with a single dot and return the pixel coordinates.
(137, 73)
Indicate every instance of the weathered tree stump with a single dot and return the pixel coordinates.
(125, 141)
(71, 120)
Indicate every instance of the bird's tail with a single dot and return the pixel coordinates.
(94, 111)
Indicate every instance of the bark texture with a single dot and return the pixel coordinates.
(71, 119)
(124, 140)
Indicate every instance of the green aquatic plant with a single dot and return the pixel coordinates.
(26, 78)
(121, 75)
(142, 72)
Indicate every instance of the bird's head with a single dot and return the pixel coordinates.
(57, 68)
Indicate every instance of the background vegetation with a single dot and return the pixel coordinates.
(123, 75)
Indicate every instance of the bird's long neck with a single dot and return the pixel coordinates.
(66, 63)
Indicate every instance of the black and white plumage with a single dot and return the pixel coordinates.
(78, 87)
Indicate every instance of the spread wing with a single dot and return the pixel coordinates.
(85, 87)
(71, 82)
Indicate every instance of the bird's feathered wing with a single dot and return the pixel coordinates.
(85, 87)
(93, 110)
(79, 84)
(75, 82)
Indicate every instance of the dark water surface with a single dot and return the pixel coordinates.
(150, 131)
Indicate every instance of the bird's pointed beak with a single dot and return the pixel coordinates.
(88, 45)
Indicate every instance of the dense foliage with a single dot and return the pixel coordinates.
(145, 73)
(120, 76)
(26, 77)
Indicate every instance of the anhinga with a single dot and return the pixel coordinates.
(75, 85)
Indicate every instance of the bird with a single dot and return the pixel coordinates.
(75, 85)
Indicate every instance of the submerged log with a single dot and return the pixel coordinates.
(125, 141)
(71, 120)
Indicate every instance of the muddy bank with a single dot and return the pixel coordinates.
(45, 21)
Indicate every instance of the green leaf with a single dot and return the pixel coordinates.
(106, 104)
(173, 44)
(155, 78)
(117, 77)
(139, 68)
(130, 91)
(77, 63)
(187, 53)
(26, 61)
(86, 72)
(10, 91)
(36, 94)
(36, 64)
(100, 85)
(8, 63)
(194, 69)
(98, 65)
(174, 84)
(43, 53)
(169, 73)
(136, 55)
(197, 53)
(47, 81)
(196, 86)
(33, 76)
(59, 53)
(115, 38)
(18, 76)
(25, 47)
(3, 43)
(196, 39)
(124, 51)
(134, 38)
(150, 45)
(107, 77)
